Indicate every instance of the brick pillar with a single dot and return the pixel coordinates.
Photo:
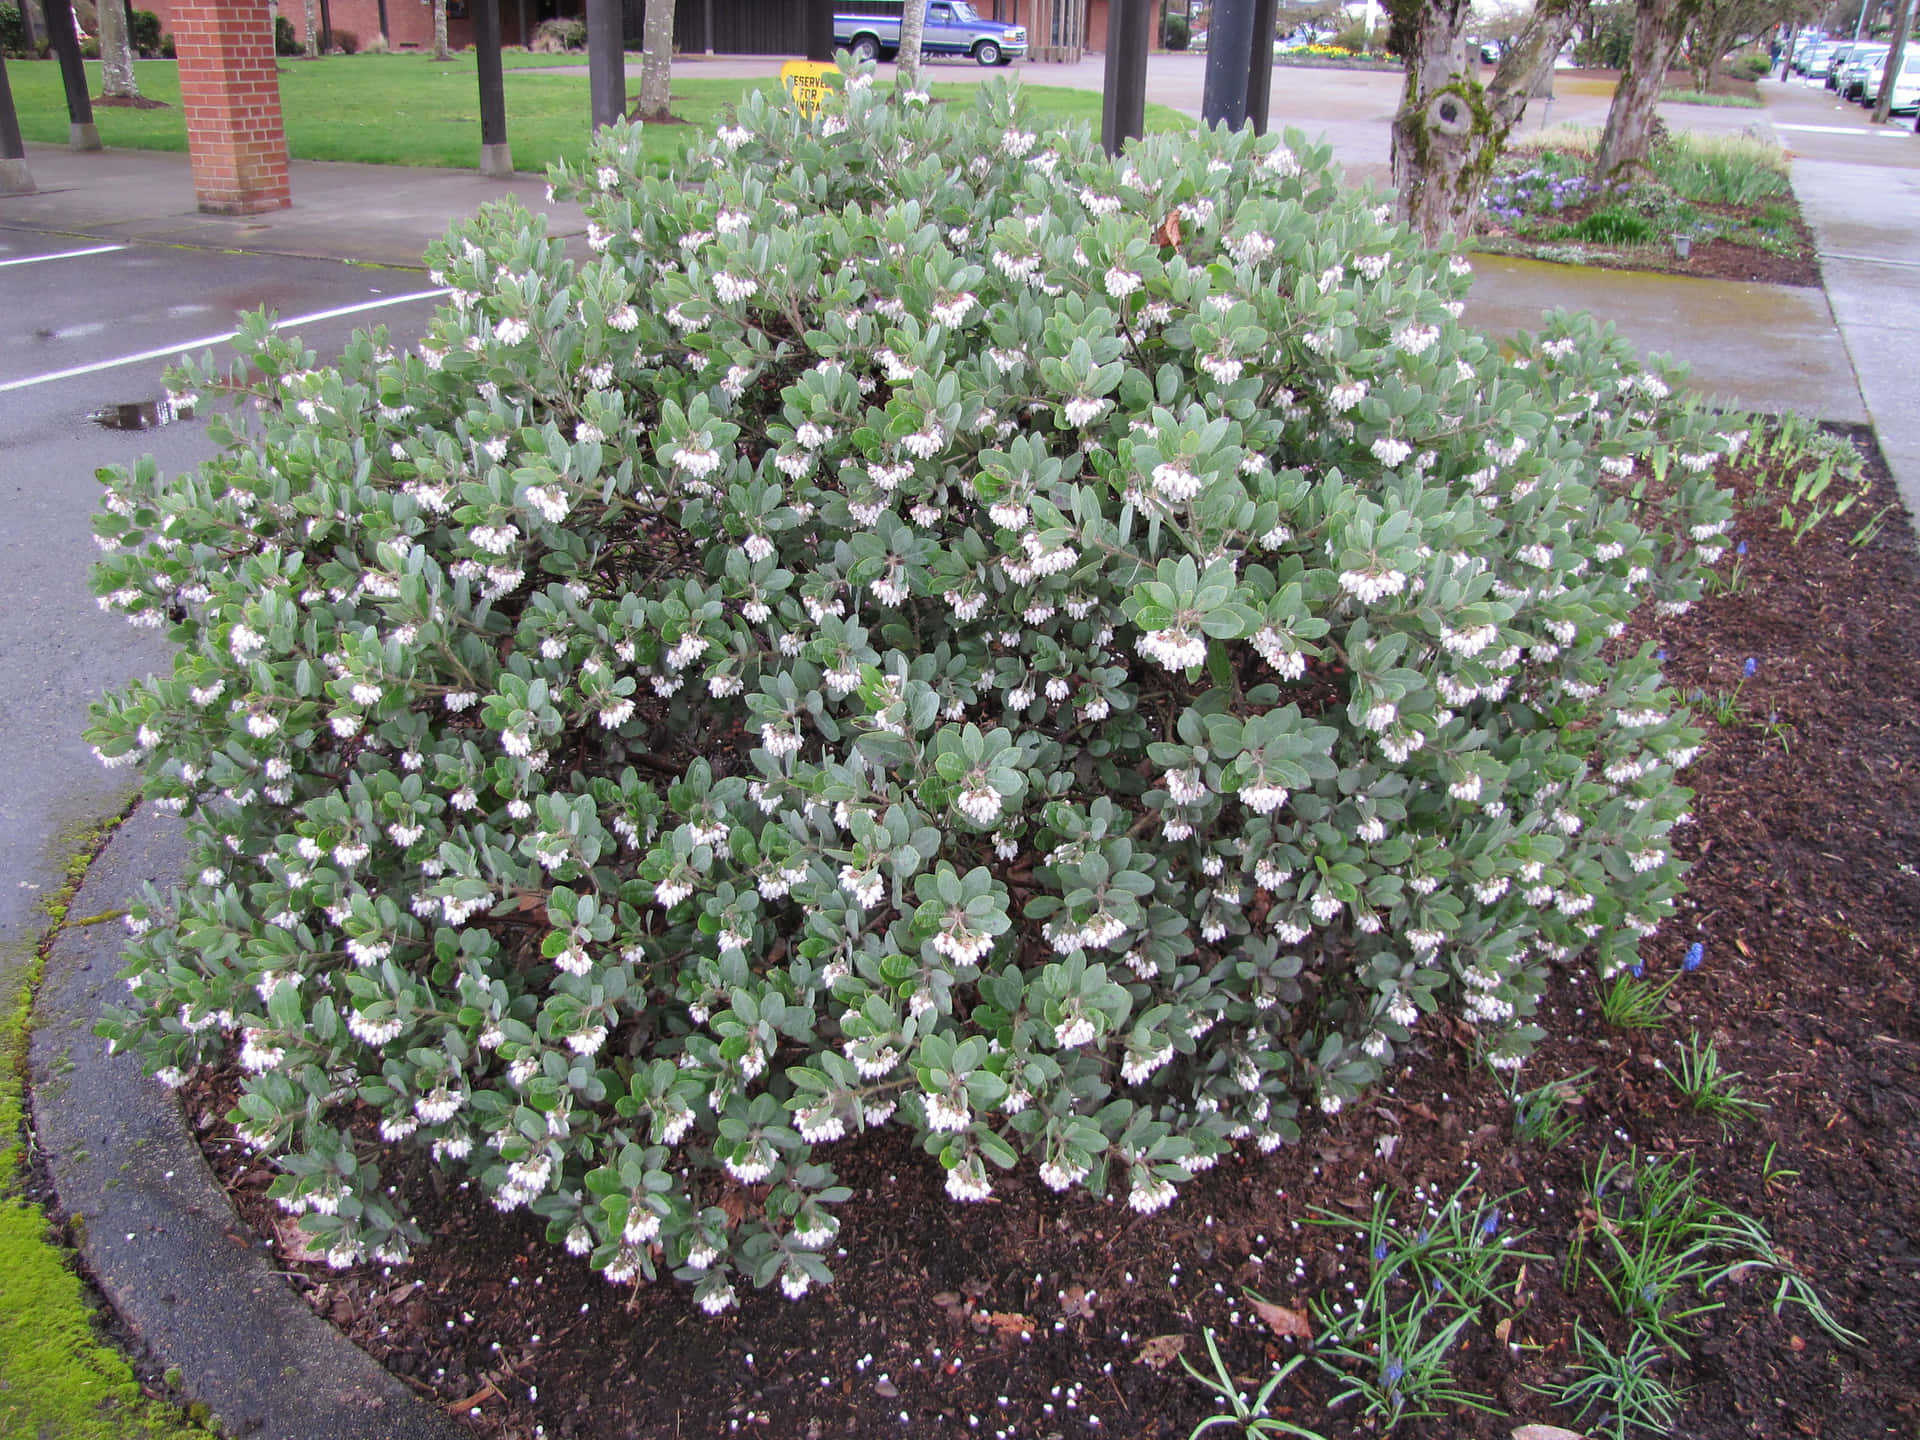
(231, 95)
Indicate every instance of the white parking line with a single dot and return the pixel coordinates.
(1827, 129)
(63, 255)
(166, 351)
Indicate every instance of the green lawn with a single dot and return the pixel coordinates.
(408, 110)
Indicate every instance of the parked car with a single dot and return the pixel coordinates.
(1490, 52)
(954, 27)
(1837, 71)
(1809, 51)
(1876, 76)
(1906, 87)
(1814, 62)
(1853, 80)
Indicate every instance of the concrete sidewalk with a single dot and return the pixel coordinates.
(1859, 191)
(369, 214)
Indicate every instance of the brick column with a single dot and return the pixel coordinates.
(231, 95)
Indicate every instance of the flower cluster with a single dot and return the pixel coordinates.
(929, 626)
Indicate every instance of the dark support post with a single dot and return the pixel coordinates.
(326, 27)
(82, 134)
(14, 179)
(819, 15)
(496, 157)
(1229, 37)
(1260, 66)
(385, 34)
(606, 61)
(1123, 105)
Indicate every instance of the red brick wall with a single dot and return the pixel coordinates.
(231, 96)
(409, 22)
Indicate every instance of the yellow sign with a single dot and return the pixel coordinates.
(806, 81)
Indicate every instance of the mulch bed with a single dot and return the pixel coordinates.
(1717, 259)
(1027, 1315)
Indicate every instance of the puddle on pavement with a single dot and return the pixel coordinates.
(142, 414)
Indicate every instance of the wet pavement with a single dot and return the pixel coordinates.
(1859, 189)
(67, 321)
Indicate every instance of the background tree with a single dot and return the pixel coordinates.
(1723, 26)
(116, 54)
(1450, 128)
(1606, 37)
(913, 29)
(440, 51)
(313, 29)
(1896, 52)
(1658, 28)
(656, 61)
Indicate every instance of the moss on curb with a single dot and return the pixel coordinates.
(56, 1376)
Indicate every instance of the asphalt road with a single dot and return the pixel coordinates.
(62, 312)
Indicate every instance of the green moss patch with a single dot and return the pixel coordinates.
(56, 1377)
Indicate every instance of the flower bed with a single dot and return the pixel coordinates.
(931, 629)
(1724, 201)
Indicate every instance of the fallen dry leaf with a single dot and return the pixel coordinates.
(1008, 1322)
(1169, 231)
(295, 1244)
(1546, 1432)
(1076, 1304)
(1160, 1351)
(1287, 1324)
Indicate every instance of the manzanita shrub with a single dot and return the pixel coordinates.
(930, 626)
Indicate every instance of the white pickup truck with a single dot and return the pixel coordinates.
(954, 27)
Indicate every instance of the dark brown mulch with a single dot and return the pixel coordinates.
(1027, 1315)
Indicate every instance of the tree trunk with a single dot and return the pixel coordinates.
(440, 51)
(913, 29)
(656, 61)
(1658, 26)
(116, 54)
(313, 29)
(1896, 52)
(1450, 127)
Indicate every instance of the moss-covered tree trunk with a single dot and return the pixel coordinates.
(116, 54)
(1658, 28)
(656, 61)
(1450, 127)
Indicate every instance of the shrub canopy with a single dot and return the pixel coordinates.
(930, 626)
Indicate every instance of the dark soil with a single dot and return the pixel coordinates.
(1028, 1314)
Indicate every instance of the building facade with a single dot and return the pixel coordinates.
(1061, 30)
(408, 24)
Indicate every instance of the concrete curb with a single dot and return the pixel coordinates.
(153, 1224)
